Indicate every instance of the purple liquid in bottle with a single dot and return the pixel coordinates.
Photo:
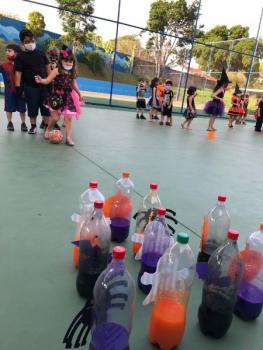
(148, 264)
(119, 229)
(249, 302)
(110, 336)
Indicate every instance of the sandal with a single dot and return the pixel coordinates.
(70, 143)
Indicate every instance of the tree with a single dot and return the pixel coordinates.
(209, 58)
(36, 23)
(175, 18)
(77, 25)
(127, 44)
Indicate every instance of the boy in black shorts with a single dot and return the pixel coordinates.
(167, 107)
(12, 102)
(28, 64)
(140, 95)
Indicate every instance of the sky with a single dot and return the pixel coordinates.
(213, 12)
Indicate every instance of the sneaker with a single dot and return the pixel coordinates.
(137, 116)
(56, 127)
(142, 117)
(42, 125)
(161, 123)
(10, 126)
(33, 130)
(24, 127)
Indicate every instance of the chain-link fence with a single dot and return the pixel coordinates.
(109, 71)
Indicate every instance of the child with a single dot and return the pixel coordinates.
(28, 64)
(245, 99)
(190, 112)
(13, 103)
(235, 111)
(53, 58)
(160, 89)
(167, 105)
(140, 95)
(154, 101)
(259, 116)
(216, 106)
(65, 90)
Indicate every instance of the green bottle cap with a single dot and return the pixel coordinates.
(182, 238)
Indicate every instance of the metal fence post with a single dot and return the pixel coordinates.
(254, 53)
(191, 53)
(115, 51)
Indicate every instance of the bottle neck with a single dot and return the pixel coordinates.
(118, 263)
(98, 212)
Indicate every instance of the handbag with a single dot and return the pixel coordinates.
(55, 100)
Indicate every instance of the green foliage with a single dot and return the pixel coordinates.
(214, 59)
(49, 43)
(94, 61)
(95, 39)
(126, 44)
(36, 23)
(77, 25)
(176, 18)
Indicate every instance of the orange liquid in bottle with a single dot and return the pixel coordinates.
(75, 258)
(167, 323)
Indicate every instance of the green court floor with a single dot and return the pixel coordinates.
(39, 188)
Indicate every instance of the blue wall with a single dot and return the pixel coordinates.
(10, 28)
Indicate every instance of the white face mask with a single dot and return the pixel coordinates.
(30, 46)
(67, 67)
(168, 87)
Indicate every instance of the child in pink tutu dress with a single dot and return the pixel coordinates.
(65, 97)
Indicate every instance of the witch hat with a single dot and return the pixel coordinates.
(224, 78)
(237, 90)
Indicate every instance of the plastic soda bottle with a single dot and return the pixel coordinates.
(156, 240)
(147, 211)
(114, 301)
(94, 248)
(87, 199)
(119, 208)
(220, 289)
(250, 296)
(170, 294)
(216, 225)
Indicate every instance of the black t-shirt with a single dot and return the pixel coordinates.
(168, 98)
(31, 63)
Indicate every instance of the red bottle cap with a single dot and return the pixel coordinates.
(161, 211)
(125, 174)
(153, 186)
(221, 198)
(261, 226)
(98, 204)
(118, 253)
(233, 234)
(93, 184)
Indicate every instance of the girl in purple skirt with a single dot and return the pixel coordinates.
(216, 106)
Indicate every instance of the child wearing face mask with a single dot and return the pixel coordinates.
(29, 63)
(13, 103)
(167, 105)
(65, 86)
